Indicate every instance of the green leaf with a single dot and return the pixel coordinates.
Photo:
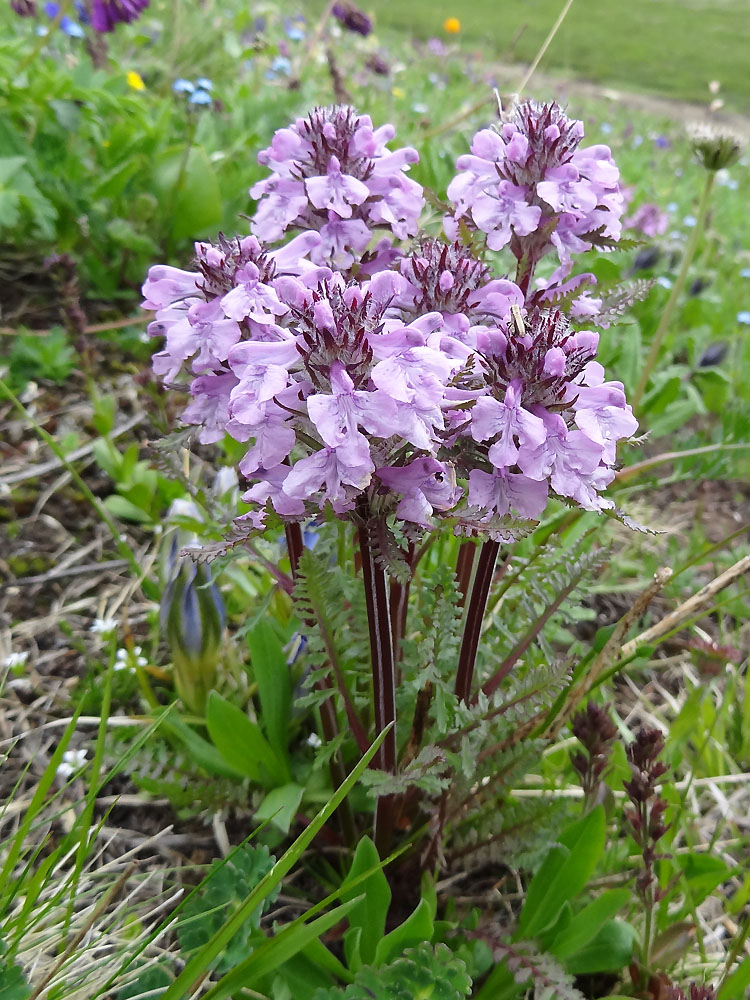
(563, 874)
(417, 927)
(735, 986)
(274, 684)
(280, 805)
(191, 193)
(610, 951)
(272, 955)
(241, 743)
(588, 922)
(203, 753)
(370, 913)
(125, 510)
(198, 965)
(219, 895)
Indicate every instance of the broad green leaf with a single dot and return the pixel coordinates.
(271, 672)
(610, 951)
(737, 984)
(280, 805)
(563, 874)
(370, 913)
(241, 743)
(417, 927)
(203, 753)
(585, 924)
(125, 510)
(190, 193)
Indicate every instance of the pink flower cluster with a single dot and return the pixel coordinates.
(529, 186)
(427, 389)
(333, 173)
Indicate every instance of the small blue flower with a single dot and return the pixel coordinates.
(637, 141)
(52, 9)
(183, 86)
(605, 128)
(672, 206)
(280, 66)
(745, 272)
(200, 97)
(664, 282)
(744, 317)
(295, 34)
(71, 28)
(203, 83)
(689, 221)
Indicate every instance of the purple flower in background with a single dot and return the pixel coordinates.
(649, 220)
(24, 8)
(352, 18)
(107, 14)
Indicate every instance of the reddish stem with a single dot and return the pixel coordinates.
(383, 678)
(464, 564)
(473, 621)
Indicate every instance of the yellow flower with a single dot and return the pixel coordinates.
(398, 92)
(452, 25)
(135, 80)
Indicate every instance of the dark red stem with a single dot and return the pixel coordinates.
(383, 679)
(473, 620)
(398, 599)
(464, 565)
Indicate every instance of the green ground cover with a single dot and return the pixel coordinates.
(672, 48)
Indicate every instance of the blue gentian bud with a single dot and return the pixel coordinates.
(193, 619)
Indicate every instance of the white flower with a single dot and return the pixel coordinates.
(15, 660)
(314, 741)
(72, 761)
(126, 659)
(104, 626)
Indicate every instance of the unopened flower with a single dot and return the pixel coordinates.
(193, 620)
(715, 148)
(107, 14)
(352, 18)
(24, 8)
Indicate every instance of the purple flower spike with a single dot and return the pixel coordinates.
(529, 185)
(107, 14)
(334, 174)
(352, 18)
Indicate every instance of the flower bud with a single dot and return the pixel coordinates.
(193, 619)
(714, 148)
